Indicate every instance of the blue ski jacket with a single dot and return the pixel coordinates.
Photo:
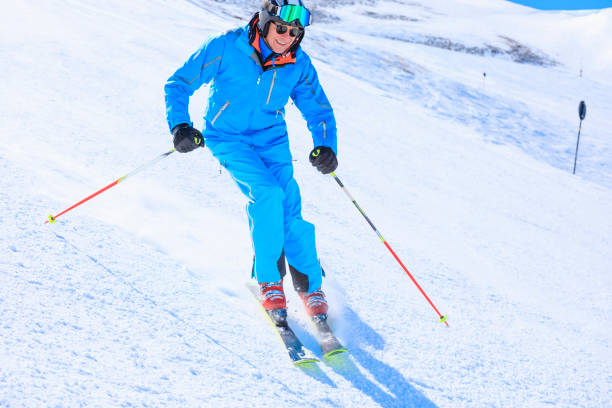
(248, 94)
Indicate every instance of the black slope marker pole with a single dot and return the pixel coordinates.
(581, 114)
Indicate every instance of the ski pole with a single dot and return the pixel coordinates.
(52, 218)
(581, 115)
(384, 241)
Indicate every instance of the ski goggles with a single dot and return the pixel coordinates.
(290, 13)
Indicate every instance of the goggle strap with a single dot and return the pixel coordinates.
(271, 8)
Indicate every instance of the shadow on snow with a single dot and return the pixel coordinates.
(388, 388)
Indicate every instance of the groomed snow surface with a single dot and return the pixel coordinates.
(137, 298)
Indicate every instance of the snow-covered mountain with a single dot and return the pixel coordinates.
(137, 298)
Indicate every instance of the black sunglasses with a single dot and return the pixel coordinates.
(282, 29)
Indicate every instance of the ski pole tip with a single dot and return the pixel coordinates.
(50, 220)
(443, 320)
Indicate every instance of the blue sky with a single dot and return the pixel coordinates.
(565, 4)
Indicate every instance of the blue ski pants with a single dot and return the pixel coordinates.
(264, 173)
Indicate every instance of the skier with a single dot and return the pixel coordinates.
(254, 70)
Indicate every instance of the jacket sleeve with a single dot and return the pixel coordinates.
(311, 100)
(199, 69)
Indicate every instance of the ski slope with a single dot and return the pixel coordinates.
(137, 298)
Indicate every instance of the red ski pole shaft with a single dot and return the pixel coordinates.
(52, 218)
(384, 241)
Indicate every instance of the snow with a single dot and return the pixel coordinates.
(137, 298)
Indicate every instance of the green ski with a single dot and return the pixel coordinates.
(296, 350)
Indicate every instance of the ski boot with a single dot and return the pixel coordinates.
(273, 301)
(315, 304)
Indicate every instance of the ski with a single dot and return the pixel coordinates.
(296, 350)
(330, 345)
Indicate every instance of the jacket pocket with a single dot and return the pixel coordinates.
(212, 122)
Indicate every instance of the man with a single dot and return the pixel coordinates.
(253, 70)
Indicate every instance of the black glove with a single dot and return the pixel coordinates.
(324, 159)
(186, 138)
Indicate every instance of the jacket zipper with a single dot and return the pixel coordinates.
(313, 92)
(271, 87)
(212, 122)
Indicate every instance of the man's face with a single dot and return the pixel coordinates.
(279, 43)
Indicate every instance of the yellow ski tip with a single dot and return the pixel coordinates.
(305, 362)
(334, 352)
